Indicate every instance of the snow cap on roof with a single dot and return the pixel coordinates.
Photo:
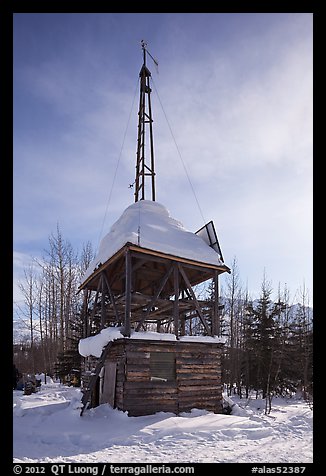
(94, 345)
(149, 225)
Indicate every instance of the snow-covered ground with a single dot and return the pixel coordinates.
(47, 428)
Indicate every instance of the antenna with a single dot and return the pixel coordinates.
(144, 168)
(145, 50)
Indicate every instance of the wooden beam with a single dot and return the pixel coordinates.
(191, 263)
(85, 308)
(215, 311)
(199, 311)
(156, 295)
(126, 330)
(101, 267)
(176, 299)
(111, 297)
(102, 300)
(94, 307)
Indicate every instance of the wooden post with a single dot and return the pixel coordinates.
(102, 301)
(111, 297)
(94, 309)
(154, 298)
(194, 299)
(215, 313)
(127, 325)
(85, 313)
(176, 299)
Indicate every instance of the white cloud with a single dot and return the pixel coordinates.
(240, 111)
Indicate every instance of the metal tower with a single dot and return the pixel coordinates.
(144, 167)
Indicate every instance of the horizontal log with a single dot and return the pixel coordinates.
(149, 392)
(150, 384)
(136, 378)
(210, 408)
(196, 348)
(135, 410)
(199, 397)
(197, 377)
(180, 362)
(196, 369)
(136, 413)
(187, 407)
(149, 346)
(199, 383)
(138, 367)
(184, 358)
(189, 348)
(132, 355)
(209, 400)
(153, 405)
(197, 388)
(155, 400)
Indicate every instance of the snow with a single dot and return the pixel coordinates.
(42, 378)
(149, 224)
(94, 345)
(47, 428)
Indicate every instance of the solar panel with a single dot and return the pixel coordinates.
(208, 234)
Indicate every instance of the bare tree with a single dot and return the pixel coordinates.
(28, 289)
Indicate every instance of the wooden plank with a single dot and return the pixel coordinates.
(215, 313)
(142, 366)
(197, 369)
(150, 400)
(195, 389)
(176, 299)
(211, 355)
(198, 366)
(112, 299)
(209, 381)
(134, 377)
(151, 392)
(194, 298)
(108, 394)
(162, 386)
(136, 355)
(198, 376)
(126, 329)
(156, 295)
(150, 410)
(102, 284)
(197, 264)
(154, 406)
(102, 266)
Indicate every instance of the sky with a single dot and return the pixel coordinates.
(232, 110)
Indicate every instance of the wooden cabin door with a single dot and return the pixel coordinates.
(108, 393)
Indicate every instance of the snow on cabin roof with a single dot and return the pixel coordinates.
(149, 225)
(94, 345)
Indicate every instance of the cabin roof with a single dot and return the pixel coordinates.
(149, 225)
(94, 345)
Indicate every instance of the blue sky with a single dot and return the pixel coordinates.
(237, 92)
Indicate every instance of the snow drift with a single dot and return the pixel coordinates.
(47, 428)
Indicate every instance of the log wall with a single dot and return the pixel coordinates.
(196, 382)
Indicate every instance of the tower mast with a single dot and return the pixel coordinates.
(144, 168)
